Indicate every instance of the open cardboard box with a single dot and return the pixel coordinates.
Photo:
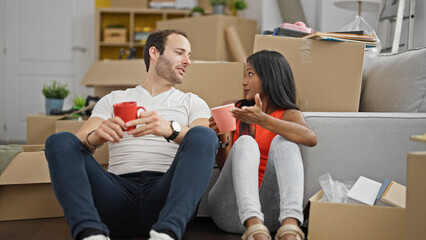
(40, 127)
(327, 74)
(215, 82)
(353, 221)
(25, 189)
(356, 221)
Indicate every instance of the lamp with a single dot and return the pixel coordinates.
(360, 5)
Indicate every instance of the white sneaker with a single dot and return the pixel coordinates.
(153, 235)
(97, 237)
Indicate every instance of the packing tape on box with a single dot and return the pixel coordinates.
(305, 51)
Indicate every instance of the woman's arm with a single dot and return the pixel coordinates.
(292, 126)
(222, 153)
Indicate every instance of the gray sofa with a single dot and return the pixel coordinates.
(375, 141)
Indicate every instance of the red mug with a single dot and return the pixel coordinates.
(127, 111)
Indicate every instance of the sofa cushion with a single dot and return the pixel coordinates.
(395, 82)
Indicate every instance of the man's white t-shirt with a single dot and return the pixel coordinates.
(150, 152)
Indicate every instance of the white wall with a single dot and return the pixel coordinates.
(271, 15)
(254, 11)
(334, 18)
(2, 74)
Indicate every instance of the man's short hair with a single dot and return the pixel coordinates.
(158, 39)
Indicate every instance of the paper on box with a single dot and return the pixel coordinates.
(364, 191)
(394, 195)
(385, 184)
(327, 74)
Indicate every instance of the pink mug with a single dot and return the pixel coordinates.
(127, 111)
(223, 118)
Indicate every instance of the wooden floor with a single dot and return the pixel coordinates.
(202, 228)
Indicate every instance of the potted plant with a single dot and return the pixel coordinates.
(197, 11)
(238, 5)
(55, 94)
(219, 6)
(79, 102)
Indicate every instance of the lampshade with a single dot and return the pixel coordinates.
(367, 5)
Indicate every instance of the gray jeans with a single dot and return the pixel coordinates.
(236, 197)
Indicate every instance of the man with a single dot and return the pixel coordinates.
(157, 172)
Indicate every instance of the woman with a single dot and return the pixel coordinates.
(260, 162)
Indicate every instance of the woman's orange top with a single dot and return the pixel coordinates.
(263, 138)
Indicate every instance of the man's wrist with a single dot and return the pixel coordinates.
(176, 128)
(92, 147)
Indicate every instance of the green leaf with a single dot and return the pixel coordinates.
(55, 90)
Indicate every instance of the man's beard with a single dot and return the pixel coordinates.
(165, 70)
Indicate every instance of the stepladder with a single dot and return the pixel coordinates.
(394, 17)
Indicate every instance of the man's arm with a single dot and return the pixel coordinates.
(103, 131)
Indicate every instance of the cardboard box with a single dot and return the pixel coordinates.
(114, 73)
(207, 35)
(106, 76)
(25, 188)
(416, 196)
(101, 154)
(40, 127)
(215, 82)
(327, 74)
(129, 3)
(353, 221)
(115, 35)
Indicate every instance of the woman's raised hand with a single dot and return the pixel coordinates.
(253, 114)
